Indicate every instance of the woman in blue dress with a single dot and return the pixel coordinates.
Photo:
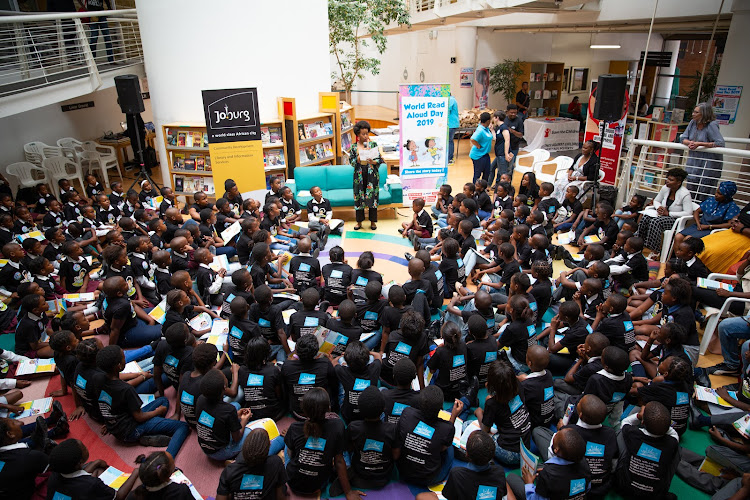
(704, 169)
(713, 213)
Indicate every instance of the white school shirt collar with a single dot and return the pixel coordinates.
(40, 277)
(167, 201)
(546, 198)
(690, 262)
(419, 214)
(5, 229)
(537, 374)
(17, 446)
(34, 316)
(589, 300)
(611, 376)
(592, 359)
(77, 473)
(615, 315)
(139, 255)
(162, 270)
(305, 255)
(584, 425)
(204, 265)
(506, 197)
(93, 222)
(183, 255)
(15, 265)
(535, 226)
(71, 204)
(75, 261)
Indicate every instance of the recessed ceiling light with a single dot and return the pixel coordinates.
(597, 46)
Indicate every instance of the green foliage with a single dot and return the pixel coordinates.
(503, 77)
(706, 90)
(348, 20)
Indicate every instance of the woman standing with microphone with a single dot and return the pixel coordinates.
(366, 175)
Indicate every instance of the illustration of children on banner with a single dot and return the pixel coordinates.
(412, 148)
(432, 149)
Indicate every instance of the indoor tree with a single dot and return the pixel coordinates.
(706, 89)
(348, 20)
(503, 78)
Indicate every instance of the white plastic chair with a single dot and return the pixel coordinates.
(34, 152)
(668, 237)
(60, 167)
(586, 185)
(28, 174)
(71, 143)
(557, 166)
(525, 163)
(107, 159)
(714, 315)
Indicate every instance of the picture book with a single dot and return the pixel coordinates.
(709, 395)
(171, 137)
(319, 151)
(33, 408)
(328, 149)
(188, 139)
(303, 155)
(189, 164)
(287, 295)
(146, 399)
(79, 297)
(35, 366)
(550, 77)
(743, 426)
(220, 262)
(208, 185)
(301, 132)
(546, 94)
(554, 94)
(268, 424)
(328, 128)
(311, 153)
(591, 239)
(205, 139)
(197, 139)
(714, 285)
(233, 230)
(265, 135)
(159, 312)
(312, 130)
(320, 127)
(219, 327)
(537, 94)
(114, 478)
(181, 139)
(208, 164)
(217, 340)
(275, 135)
(529, 461)
(179, 160)
(346, 142)
(201, 322)
(274, 158)
(346, 121)
(37, 235)
(179, 184)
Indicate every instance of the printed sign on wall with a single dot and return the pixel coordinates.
(423, 128)
(725, 103)
(234, 142)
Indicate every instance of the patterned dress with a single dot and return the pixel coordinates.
(365, 195)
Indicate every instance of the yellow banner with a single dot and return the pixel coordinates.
(240, 161)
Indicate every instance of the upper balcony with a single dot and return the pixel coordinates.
(48, 58)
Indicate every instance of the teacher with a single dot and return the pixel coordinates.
(366, 176)
(725, 248)
(672, 201)
(704, 169)
(481, 143)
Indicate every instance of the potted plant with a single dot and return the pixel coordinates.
(503, 78)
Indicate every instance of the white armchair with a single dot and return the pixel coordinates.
(714, 315)
(552, 170)
(28, 174)
(105, 159)
(668, 238)
(60, 167)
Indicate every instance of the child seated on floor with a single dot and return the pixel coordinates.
(355, 376)
(479, 304)
(688, 251)
(409, 341)
(209, 282)
(306, 373)
(64, 344)
(392, 314)
(482, 350)
(449, 361)
(575, 331)
(442, 202)
(260, 381)
(537, 387)
(650, 456)
(605, 228)
(31, 328)
(155, 472)
(188, 390)
(630, 265)
(117, 260)
(499, 276)
(421, 224)
(241, 329)
(589, 297)
(173, 356)
(610, 384)
(519, 333)
(452, 266)
(589, 362)
(613, 321)
(308, 319)
(672, 387)
(269, 319)
(535, 221)
(346, 327)
(305, 268)
(74, 268)
(337, 276)
(369, 312)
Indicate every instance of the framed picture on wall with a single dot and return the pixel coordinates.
(579, 80)
(566, 79)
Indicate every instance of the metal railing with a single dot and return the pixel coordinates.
(648, 173)
(39, 50)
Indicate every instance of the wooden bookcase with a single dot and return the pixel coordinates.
(186, 181)
(548, 80)
(343, 121)
(311, 140)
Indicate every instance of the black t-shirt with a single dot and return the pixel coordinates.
(353, 384)
(437, 281)
(451, 367)
(372, 445)
(488, 316)
(541, 290)
(174, 316)
(425, 222)
(601, 449)
(518, 335)
(173, 491)
(501, 204)
(610, 390)
(391, 317)
(368, 314)
(421, 441)
(241, 330)
(607, 230)
(28, 331)
(564, 482)
(74, 273)
(243, 247)
(270, 225)
(512, 421)
(470, 484)
(179, 263)
(413, 287)
(11, 276)
(619, 330)
(305, 270)
(517, 125)
(360, 278)
(190, 390)
(647, 460)
(306, 322)
(174, 362)
(53, 253)
(453, 271)
(120, 308)
(67, 364)
(320, 208)
(675, 396)
(397, 400)
(347, 333)
(260, 482)
(589, 306)
(573, 208)
(259, 274)
(261, 390)
(509, 269)
(301, 376)
(52, 219)
(269, 321)
(82, 486)
(117, 403)
(86, 382)
(19, 471)
(575, 335)
(398, 347)
(484, 203)
(685, 316)
(127, 274)
(586, 371)
(540, 402)
(695, 271)
(481, 354)
(204, 279)
(338, 277)
(549, 206)
(311, 458)
(216, 423)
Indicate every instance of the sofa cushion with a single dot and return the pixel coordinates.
(340, 197)
(307, 177)
(385, 197)
(339, 177)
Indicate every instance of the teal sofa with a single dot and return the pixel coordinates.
(336, 182)
(564, 110)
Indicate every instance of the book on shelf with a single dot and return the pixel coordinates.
(197, 139)
(532, 77)
(544, 77)
(303, 155)
(205, 139)
(550, 77)
(208, 185)
(179, 160)
(537, 94)
(265, 135)
(554, 93)
(346, 121)
(200, 164)
(328, 148)
(346, 142)
(328, 128)
(301, 132)
(558, 77)
(189, 164)
(319, 151)
(546, 94)
(179, 184)
(538, 77)
(311, 130)
(275, 133)
(181, 139)
(208, 164)
(274, 158)
(188, 139)
(171, 137)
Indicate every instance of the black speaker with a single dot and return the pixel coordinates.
(129, 94)
(610, 97)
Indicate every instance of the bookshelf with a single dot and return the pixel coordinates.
(343, 121)
(190, 165)
(545, 87)
(311, 140)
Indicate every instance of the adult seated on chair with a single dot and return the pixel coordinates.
(713, 213)
(584, 169)
(725, 248)
(673, 201)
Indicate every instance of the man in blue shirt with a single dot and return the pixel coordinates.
(481, 142)
(453, 124)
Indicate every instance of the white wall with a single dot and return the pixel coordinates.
(280, 47)
(49, 123)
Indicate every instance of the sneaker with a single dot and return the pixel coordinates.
(570, 264)
(157, 441)
(724, 369)
(315, 253)
(401, 231)
(408, 256)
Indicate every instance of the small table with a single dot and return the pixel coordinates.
(121, 146)
(461, 133)
(552, 134)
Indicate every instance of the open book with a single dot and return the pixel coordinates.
(369, 154)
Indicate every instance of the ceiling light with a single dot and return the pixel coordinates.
(600, 46)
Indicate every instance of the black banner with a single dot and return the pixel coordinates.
(232, 115)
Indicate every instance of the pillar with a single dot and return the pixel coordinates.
(734, 70)
(466, 57)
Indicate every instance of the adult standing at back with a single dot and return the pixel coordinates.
(481, 142)
(515, 127)
(522, 101)
(99, 23)
(704, 169)
(503, 157)
(366, 176)
(453, 124)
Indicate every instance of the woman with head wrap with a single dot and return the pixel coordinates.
(713, 213)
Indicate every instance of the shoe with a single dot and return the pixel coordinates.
(156, 441)
(401, 231)
(408, 256)
(724, 369)
(316, 252)
(570, 264)
(694, 416)
(473, 391)
(358, 226)
(62, 428)
(434, 216)
(324, 241)
(57, 411)
(701, 377)
(429, 247)
(373, 226)
(39, 437)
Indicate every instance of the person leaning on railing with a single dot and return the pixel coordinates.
(704, 169)
(725, 248)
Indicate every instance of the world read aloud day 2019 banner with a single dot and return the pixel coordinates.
(423, 128)
(234, 143)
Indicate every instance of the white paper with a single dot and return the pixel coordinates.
(231, 231)
(132, 367)
(201, 322)
(220, 327)
(369, 154)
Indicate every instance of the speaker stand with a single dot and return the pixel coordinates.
(143, 174)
